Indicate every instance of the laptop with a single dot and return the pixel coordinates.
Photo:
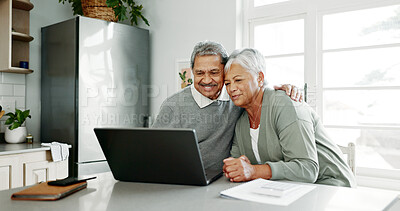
(150, 155)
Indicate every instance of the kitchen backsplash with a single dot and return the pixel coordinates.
(12, 94)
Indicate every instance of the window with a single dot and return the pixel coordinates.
(282, 43)
(347, 52)
(361, 82)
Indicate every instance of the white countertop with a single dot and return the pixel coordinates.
(106, 193)
(7, 149)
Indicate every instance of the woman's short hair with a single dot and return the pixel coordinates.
(209, 48)
(250, 59)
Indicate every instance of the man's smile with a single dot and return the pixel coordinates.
(208, 87)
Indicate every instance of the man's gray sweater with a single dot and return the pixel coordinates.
(214, 124)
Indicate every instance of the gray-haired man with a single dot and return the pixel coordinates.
(205, 106)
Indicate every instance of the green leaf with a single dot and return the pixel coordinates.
(120, 12)
(133, 17)
(11, 115)
(77, 7)
(25, 115)
(19, 115)
(135, 13)
(145, 20)
(14, 125)
(182, 76)
(9, 121)
(112, 3)
(190, 81)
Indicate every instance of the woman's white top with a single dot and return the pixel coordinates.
(254, 142)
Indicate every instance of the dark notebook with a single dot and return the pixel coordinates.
(43, 191)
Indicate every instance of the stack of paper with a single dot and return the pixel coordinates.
(268, 192)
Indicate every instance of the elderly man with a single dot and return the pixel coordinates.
(205, 105)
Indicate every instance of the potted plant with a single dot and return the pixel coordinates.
(120, 9)
(16, 132)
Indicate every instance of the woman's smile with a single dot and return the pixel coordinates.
(235, 97)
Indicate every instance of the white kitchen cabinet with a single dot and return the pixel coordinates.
(8, 168)
(42, 169)
(29, 166)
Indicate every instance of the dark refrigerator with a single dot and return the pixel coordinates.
(94, 74)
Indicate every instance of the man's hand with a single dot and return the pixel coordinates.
(292, 91)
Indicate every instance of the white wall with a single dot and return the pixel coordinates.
(175, 27)
(44, 13)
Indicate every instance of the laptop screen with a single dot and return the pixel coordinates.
(153, 155)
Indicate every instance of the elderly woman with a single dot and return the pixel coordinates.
(277, 138)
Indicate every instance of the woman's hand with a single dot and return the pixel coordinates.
(241, 170)
(292, 91)
(238, 169)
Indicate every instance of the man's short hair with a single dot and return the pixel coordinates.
(209, 48)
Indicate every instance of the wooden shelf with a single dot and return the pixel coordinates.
(17, 70)
(22, 5)
(14, 24)
(21, 37)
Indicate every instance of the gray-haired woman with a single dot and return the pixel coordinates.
(277, 138)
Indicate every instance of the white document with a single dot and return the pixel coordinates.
(268, 192)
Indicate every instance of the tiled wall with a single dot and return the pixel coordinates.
(12, 94)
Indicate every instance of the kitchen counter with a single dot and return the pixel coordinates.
(6, 149)
(105, 193)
